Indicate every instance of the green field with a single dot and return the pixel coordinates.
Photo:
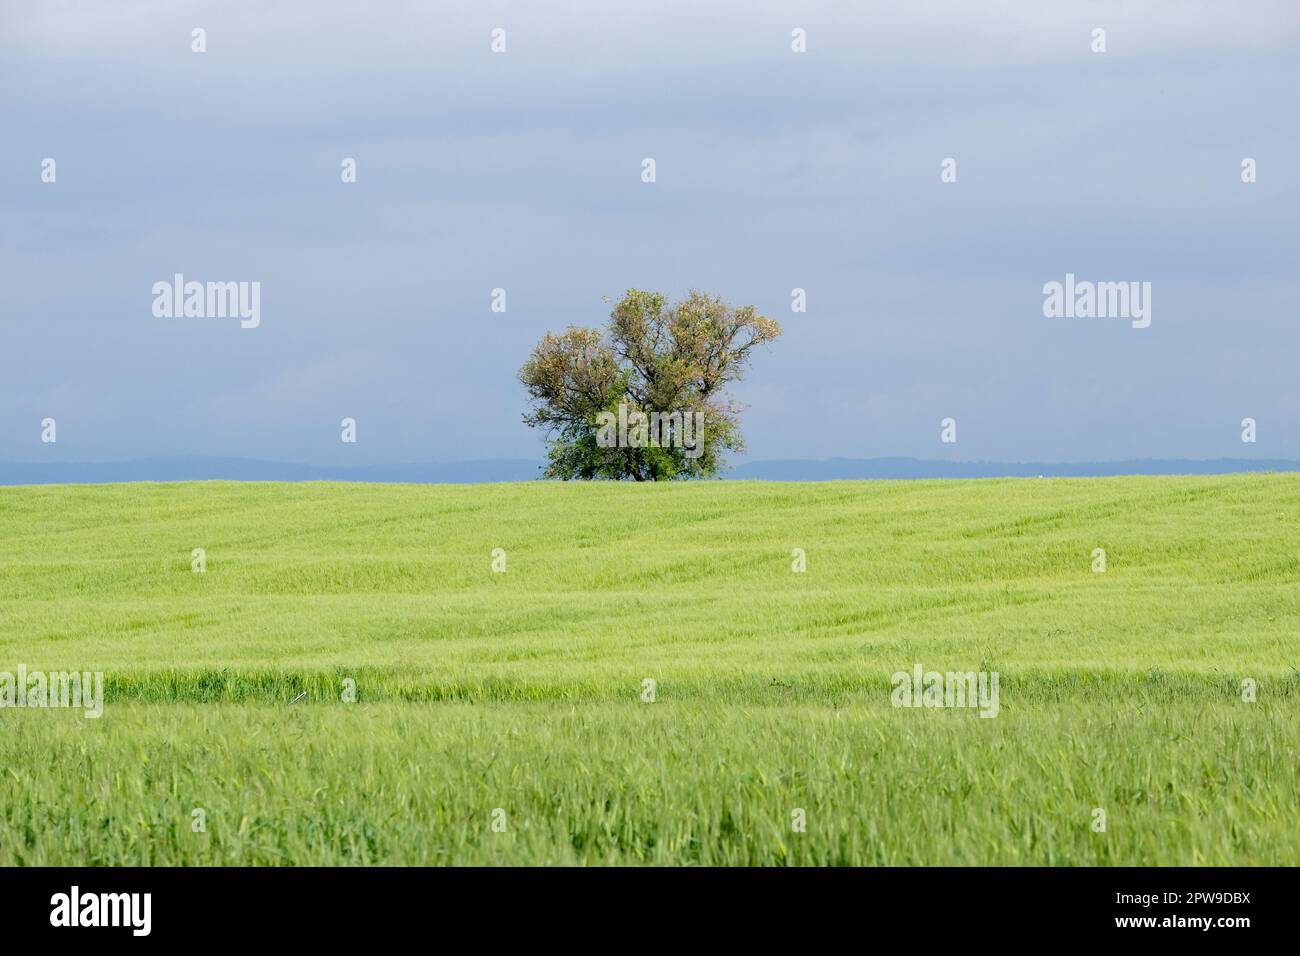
(522, 691)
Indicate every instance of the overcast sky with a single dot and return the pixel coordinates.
(775, 170)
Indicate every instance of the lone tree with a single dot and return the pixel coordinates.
(644, 400)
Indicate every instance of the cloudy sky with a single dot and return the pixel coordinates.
(775, 170)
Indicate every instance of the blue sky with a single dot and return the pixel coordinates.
(775, 170)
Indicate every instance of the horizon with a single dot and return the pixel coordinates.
(499, 470)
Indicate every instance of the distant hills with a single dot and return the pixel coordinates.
(833, 469)
(520, 469)
(251, 469)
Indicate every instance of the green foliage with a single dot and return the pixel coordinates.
(654, 359)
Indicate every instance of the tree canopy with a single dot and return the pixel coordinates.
(645, 399)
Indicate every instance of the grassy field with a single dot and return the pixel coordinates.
(516, 698)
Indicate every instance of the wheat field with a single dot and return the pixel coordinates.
(615, 673)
